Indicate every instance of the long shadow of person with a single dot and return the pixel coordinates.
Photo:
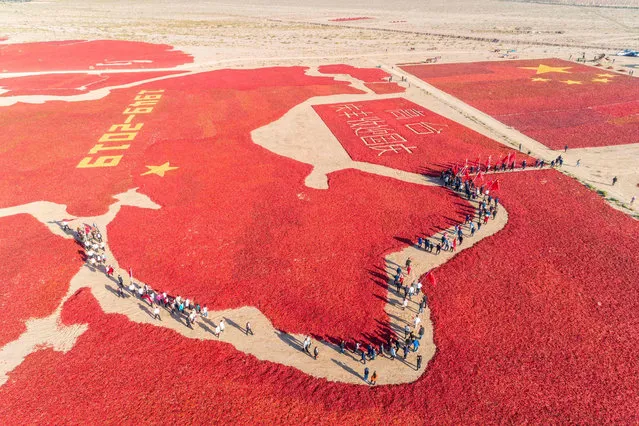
(347, 368)
(234, 324)
(145, 309)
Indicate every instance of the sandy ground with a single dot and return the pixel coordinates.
(267, 343)
(284, 32)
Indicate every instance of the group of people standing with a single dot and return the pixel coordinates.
(181, 308)
(395, 348)
(178, 307)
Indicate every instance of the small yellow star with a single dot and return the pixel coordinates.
(607, 75)
(158, 170)
(569, 82)
(542, 69)
(540, 79)
(601, 80)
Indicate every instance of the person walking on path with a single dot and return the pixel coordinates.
(419, 362)
(363, 357)
(307, 344)
(393, 353)
(222, 326)
(217, 331)
(249, 329)
(578, 163)
(342, 346)
(632, 200)
(421, 332)
(406, 331)
(374, 378)
(566, 148)
(156, 313)
(315, 352)
(366, 374)
(614, 180)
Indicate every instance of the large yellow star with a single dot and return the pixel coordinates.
(540, 79)
(159, 170)
(601, 80)
(542, 69)
(569, 82)
(607, 75)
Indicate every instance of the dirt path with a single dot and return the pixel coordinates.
(267, 344)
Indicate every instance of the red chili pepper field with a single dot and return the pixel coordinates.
(536, 324)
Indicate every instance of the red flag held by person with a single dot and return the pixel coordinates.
(431, 278)
(496, 185)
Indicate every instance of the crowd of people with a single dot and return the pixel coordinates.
(401, 347)
(180, 308)
(394, 348)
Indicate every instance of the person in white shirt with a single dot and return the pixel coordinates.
(205, 312)
(156, 313)
(221, 325)
(416, 321)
